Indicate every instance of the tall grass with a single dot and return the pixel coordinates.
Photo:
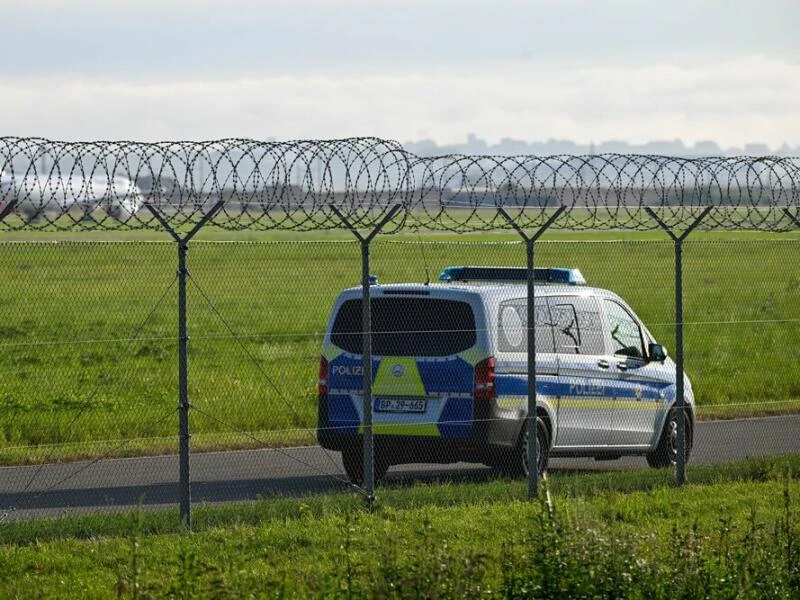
(88, 337)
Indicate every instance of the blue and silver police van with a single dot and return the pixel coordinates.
(450, 364)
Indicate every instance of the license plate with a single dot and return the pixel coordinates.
(400, 405)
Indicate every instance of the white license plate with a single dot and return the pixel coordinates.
(400, 405)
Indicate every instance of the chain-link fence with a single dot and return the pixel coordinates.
(286, 384)
(90, 372)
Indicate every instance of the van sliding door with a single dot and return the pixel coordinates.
(584, 411)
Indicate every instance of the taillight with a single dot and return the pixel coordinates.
(484, 379)
(322, 382)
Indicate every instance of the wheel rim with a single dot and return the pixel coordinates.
(540, 442)
(526, 468)
(672, 439)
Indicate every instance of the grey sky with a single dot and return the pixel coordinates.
(620, 69)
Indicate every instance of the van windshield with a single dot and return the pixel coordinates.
(407, 327)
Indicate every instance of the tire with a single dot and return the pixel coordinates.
(666, 452)
(353, 461)
(516, 464)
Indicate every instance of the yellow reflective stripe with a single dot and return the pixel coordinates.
(473, 356)
(329, 351)
(398, 376)
(608, 404)
(519, 402)
(412, 429)
(638, 405)
(512, 402)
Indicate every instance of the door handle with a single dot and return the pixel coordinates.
(622, 366)
(603, 364)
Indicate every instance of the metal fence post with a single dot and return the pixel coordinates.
(8, 209)
(366, 348)
(680, 401)
(183, 359)
(792, 218)
(183, 388)
(533, 448)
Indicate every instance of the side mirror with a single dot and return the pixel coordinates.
(657, 352)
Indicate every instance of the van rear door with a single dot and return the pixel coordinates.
(424, 347)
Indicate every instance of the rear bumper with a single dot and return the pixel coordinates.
(398, 449)
(489, 437)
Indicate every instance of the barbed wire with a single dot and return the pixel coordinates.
(104, 185)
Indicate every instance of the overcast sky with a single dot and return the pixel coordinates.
(633, 70)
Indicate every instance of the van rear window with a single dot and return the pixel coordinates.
(403, 326)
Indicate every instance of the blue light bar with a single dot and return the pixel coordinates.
(518, 274)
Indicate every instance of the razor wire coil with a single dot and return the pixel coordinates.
(291, 186)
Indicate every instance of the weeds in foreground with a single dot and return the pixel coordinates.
(554, 556)
(532, 551)
(128, 583)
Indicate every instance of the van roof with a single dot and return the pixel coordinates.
(479, 289)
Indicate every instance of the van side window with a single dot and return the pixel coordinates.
(577, 325)
(512, 328)
(626, 335)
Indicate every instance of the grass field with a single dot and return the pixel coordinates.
(734, 532)
(88, 336)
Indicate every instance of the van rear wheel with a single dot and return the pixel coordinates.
(353, 461)
(516, 464)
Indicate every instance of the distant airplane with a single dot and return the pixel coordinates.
(39, 196)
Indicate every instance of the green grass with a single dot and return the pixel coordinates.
(734, 531)
(88, 340)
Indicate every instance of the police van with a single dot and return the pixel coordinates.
(450, 364)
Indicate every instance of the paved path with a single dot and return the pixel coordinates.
(118, 484)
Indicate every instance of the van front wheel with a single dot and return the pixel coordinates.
(666, 453)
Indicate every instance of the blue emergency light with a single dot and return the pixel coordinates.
(517, 274)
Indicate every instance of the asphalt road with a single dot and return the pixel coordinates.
(119, 484)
